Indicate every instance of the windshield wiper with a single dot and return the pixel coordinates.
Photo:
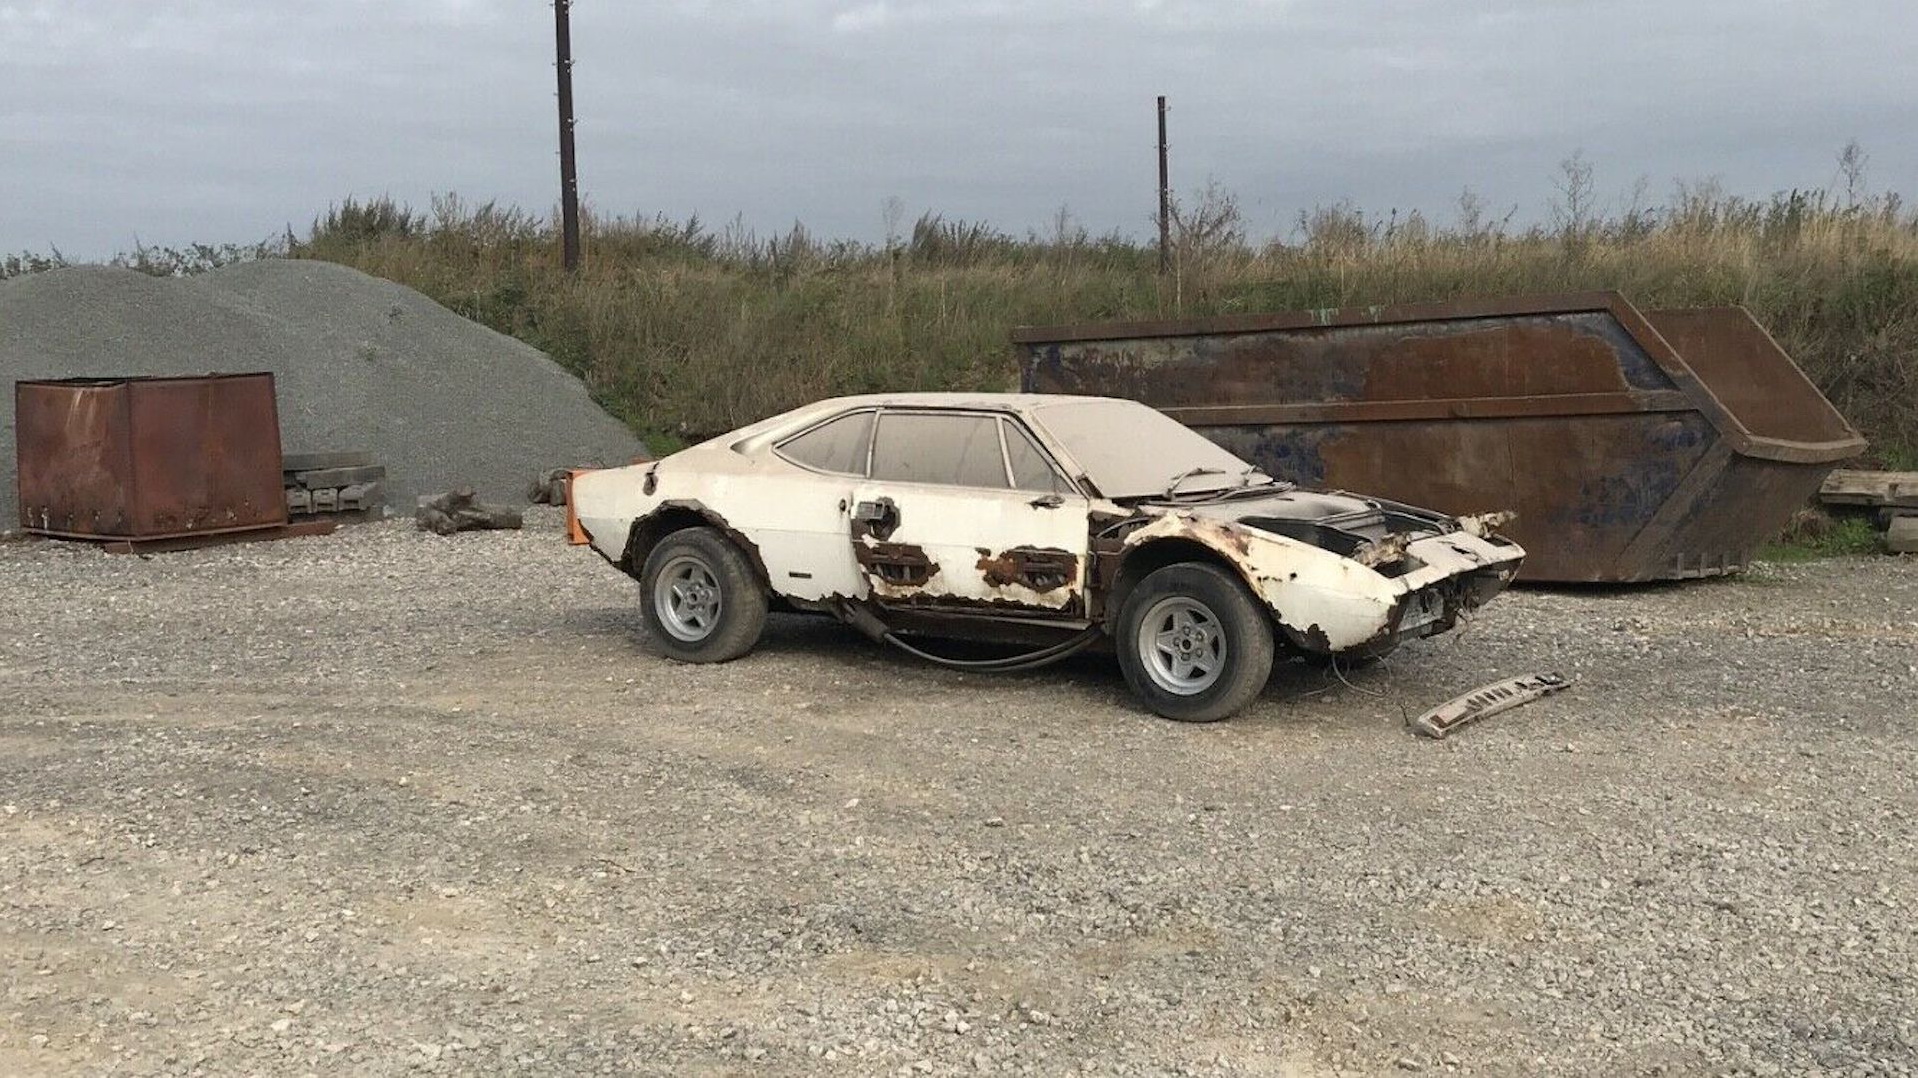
(1249, 482)
(1172, 487)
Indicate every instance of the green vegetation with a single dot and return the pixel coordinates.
(682, 330)
(679, 329)
(1837, 537)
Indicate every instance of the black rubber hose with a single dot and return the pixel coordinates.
(866, 622)
(1031, 661)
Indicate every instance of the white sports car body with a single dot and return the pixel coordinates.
(1009, 516)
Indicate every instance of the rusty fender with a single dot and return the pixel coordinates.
(1486, 525)
(642, 536)
(1331, 602)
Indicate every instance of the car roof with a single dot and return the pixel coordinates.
(776, 426)
(1000, 401)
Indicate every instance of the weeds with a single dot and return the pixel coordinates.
(153, 261)
(1840, 537)
(685, 330)
(681, 328)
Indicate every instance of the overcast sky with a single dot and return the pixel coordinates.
(170, 121)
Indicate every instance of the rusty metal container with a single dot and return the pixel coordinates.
(149, 458)
(1634, 446)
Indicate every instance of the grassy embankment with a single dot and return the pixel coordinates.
(682, 331)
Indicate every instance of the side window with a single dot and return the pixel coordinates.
(838, 446)
(959, 450)
(1030, 469)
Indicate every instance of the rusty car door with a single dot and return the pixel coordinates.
(958, 515)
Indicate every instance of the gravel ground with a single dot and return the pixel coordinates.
(359, 363)
(384, 802)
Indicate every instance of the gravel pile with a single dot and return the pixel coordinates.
(384, 802)
(360, 364)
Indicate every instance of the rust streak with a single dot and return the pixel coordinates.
(1041, 569)
(896, 564)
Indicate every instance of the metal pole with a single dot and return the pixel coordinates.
(568, 165)
(1165, 198)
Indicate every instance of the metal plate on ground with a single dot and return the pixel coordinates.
(1488, 700)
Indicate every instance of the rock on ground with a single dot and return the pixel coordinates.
(359, 363)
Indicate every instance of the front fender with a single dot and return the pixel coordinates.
(1330, 602)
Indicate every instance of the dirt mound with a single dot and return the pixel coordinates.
(359, 363)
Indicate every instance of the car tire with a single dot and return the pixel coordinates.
(1177, 619)
(701, 599)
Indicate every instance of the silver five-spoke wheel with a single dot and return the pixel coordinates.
(1181, 645)
(1195, 643)
(686, 597)
(704, 601)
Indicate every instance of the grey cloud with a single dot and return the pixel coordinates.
(180, 120)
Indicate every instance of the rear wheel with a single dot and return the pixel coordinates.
(703, 602)
(1194, 645)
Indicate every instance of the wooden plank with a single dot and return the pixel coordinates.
(195, 542)
(1848, 486)
(307, 462)
(340, 477)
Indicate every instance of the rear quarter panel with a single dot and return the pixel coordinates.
(793, 520)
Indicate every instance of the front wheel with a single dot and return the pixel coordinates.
(704, 604)
(1193, 644)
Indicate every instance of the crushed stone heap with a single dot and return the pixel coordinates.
(359, 363)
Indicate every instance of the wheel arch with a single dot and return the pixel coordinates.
(1146, 558)
(676, 515)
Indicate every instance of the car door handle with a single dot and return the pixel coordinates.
(1047, 501)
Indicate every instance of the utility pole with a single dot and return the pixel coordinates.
(568, 165)
(1165, 198)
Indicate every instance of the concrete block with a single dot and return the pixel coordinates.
(363, 496)
(1902, 536)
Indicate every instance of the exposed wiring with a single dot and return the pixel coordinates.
(1337, 671)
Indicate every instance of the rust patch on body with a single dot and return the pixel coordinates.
(1041, 569)
(1388, 550)
(896, 564)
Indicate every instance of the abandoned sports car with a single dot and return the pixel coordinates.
(1050, 523)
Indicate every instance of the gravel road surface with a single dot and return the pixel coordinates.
(384, 803)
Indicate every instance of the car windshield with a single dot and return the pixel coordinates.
(1131, 451)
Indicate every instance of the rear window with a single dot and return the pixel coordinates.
(835, 446)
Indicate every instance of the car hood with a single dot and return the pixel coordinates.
(1332, 520)
(1328, 507)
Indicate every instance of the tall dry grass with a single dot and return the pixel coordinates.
(684, 330)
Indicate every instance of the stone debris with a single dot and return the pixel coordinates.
(459, 511)
(361, 364)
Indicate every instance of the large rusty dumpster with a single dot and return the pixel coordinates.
(143, 460)
(1633, 446)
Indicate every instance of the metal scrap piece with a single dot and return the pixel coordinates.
(1488, 700)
